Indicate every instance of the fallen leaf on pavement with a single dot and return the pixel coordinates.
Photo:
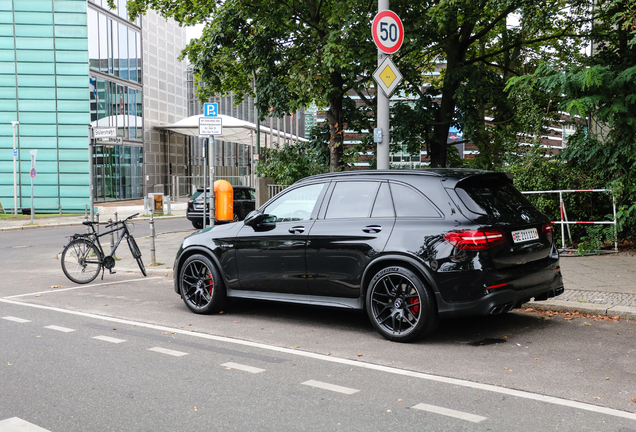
(359, 355)
(38, 295)
(56, 286)
(237, 321)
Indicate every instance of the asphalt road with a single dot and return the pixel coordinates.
(519, 371)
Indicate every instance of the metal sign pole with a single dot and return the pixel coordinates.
(382, 109)
(15, 175)
(212, 197)
(205, 178)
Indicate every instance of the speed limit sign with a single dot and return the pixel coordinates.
(388, 31)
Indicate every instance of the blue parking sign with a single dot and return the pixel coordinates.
(211, 109)
(15, 152)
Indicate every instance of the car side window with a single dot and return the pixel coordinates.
(352, 199)
(410, 203)
(239, 194)
(383, 206)
(295, 205)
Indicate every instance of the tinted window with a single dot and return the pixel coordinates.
(383, 206)
(410, 203)
(491, 195)
(351, 200)
(297, 204)
(239, 194)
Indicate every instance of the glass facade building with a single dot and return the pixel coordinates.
(70, 66)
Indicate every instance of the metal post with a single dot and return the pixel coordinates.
(212, 197)
(257, 151)
(112, 235)
(153, 260)
(615, 230)
(562, 205)
(383, 108)
(205, 178)
(91, 186)
(97, 220)
(168, 206)
(15, 172)
(176, 196)
(145, 205)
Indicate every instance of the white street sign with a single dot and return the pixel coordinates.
(387, 31)
(210, 126)
(104, 132)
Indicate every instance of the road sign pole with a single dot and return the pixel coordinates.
(205, 182)
(33, 153)
(383, 109)
(15, 172)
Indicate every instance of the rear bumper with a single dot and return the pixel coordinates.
(539, 284)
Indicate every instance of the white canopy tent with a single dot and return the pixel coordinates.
(234, 130)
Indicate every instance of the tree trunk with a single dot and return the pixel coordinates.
(336, 126)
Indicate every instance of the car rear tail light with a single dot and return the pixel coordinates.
(475, 240)
(548, 230)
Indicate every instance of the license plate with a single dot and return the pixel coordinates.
(198, 206)
(525, 235)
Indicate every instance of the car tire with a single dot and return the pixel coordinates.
(400, 306)
(197, 224)
(201, 286)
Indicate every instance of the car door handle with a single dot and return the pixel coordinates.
(297, 229)
(372, 229)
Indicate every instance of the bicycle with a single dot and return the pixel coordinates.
(83, 257)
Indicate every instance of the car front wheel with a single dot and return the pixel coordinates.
(201, 286)
(400, 307)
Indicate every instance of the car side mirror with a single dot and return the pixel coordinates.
(260, 221)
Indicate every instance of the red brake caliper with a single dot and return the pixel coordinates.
(211, 283)
(415, 309)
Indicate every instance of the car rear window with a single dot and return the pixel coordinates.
(491, 195)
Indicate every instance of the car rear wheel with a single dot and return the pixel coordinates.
(201, 286)
(197, 224)
(400, 307)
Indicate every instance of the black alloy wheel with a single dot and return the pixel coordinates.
(400, 307)
(201, 286)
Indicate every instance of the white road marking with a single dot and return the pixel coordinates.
(450, 413)
(81, 287)
(332, 387)
(109, 339)
(245, 368)
(168, 351)
(15, 424)
(14, 319)
(58, 328)
(355, 363)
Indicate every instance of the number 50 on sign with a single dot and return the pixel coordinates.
(387, 31)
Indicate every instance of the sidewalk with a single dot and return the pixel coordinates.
(602, 285)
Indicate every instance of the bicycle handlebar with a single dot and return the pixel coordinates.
(122, 221)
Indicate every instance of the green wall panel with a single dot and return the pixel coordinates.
(73, 106)
(6, 130)
(7, 116)
(73, 80)
(36, 68)
(73, 131)
(74, 167)
(9, 105)
(70, 69)
(73, 19)
(37, 105)
(37, 118)
(39, 93)
(7, 67)
(33, 43)
(71, 32)
(69, 191)
(27, 142)
(73, 93)
(6, 17)
(33, 18)
(6, 5)
(7, 80)
(70, 6)
(34, 5)
(39, 131)
(6, 30)
(7, 55)
(71, 118)
(40, 31)
(70, 144)
(67, 179)
(71, 57)
(72, 44)
(36, 81)
(6, 42)
(35, 55)
(7, 93)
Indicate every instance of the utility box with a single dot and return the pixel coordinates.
(223, 201)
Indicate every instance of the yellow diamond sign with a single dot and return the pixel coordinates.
(387, 76)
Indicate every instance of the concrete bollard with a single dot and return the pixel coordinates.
(168, 205)
(153, 259)
(145, 205)
(97, 220)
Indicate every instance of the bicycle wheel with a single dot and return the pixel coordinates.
(81, 261)
(136, 253)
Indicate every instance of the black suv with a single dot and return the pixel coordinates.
(244, 202)
(409, 247)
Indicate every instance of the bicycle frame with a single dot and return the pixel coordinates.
(94, 238)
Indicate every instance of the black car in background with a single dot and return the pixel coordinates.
(409, 247)
(244, 202)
